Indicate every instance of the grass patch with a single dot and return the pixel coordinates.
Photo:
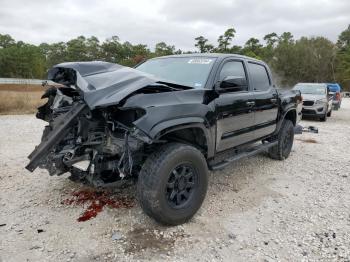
(21, 88)
(20, 98)
(16, 102)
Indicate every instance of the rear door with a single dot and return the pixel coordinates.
(266, 99)
(234, 109)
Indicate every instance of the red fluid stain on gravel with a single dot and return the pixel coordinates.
(309, 140)
(96, 201)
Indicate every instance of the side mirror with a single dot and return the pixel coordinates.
(236, 82)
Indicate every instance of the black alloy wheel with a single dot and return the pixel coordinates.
(181, 185)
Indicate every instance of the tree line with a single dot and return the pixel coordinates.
(308, 59)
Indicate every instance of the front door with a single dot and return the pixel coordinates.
(234, 109)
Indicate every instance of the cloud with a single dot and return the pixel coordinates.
(175, 22)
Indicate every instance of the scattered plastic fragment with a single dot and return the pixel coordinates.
(117, 236)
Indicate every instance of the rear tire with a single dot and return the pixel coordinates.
(173, 183)
(283, 148)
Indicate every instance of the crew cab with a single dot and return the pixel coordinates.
(165, 123)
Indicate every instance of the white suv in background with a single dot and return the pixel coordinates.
(317, 101)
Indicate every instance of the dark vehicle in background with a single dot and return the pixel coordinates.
(317, 101)
(164, 123)
(335, 90)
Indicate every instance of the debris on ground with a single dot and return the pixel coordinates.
(117, 236)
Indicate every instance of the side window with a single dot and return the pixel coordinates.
(259, 78)
(232, 68)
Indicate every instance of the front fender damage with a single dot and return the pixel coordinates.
(98, 146)
(105, 120)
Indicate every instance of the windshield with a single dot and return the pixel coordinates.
(311, 89)
(187, 71)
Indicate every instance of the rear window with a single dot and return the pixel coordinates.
(259, 79)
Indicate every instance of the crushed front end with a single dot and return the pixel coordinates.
(97, 144)
(100, 145)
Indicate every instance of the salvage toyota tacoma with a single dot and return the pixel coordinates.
(164, 124)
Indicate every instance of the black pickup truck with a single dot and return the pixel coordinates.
(163, 123)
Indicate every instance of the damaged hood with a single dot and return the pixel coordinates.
(102, 84)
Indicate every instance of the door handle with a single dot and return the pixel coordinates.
(274, 100)
(250, 103)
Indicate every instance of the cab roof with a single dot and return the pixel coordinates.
(212, 55)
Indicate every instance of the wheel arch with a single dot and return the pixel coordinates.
(191, 130)
(289, 114)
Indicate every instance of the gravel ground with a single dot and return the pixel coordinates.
(256, 210)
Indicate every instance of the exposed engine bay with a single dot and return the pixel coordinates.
(95, 140)
(99, 145)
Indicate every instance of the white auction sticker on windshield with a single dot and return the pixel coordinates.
(202, 61)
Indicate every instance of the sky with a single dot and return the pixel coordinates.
(174, 22)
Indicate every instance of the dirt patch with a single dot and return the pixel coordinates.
(307, 140)
(141, 239)
(96, 201)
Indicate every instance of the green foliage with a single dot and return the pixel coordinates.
(271, 39)
(342, 61)
(344, 39)
(305, 60)
(29, 61)
(163, 49)
(6, 41)
(313, 59)
(22, 60)
(225, 40)
(202, 44)
(253, 48)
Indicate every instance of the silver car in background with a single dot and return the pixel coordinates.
(317, 101)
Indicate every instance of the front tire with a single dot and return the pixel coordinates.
(173, 183)
(324, 117)
(283, 148)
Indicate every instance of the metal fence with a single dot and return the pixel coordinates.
(21, 81)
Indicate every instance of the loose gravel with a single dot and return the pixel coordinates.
(257, 209)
